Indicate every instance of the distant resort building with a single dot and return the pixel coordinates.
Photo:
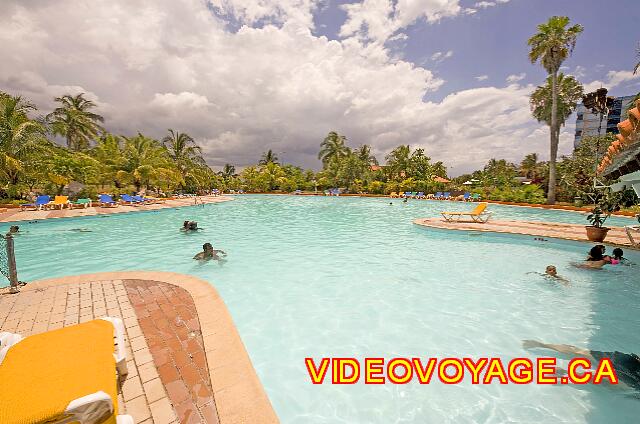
(589, 124)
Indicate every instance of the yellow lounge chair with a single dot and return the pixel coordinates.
(63, 376)
(476, 215)
(393, 194)
(61, 201)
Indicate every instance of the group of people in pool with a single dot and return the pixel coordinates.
(208, 252)
(595, 260)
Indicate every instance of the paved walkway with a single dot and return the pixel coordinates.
(186, 361)
(12, 215)
(616, 235)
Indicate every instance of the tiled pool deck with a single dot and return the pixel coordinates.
(616, 235)
(15, 214)
(186, 361)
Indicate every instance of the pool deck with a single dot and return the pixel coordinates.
(15, 214)
(616, 235)
(187, 363)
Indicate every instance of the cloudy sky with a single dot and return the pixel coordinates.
(243, 76)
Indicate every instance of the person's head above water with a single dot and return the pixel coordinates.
(193, 225)
(185, 224)
(618, 253)
(13, 229)
(596, 252)
(551, 270)
(207, 247)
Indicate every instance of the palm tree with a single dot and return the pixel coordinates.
(333, 146)
(228, 171)
(268, 157)
(145, 158)
(184, 152)
(553, 43)
(109, 153)
(73, 120)
(364, 154)
(21, 137)
(529, 166)
(399, 161)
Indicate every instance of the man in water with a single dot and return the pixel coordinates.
(189, 226)
(14, 229)
(626, 365)
(208, 252)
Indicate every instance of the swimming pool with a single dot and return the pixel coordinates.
(318, 276)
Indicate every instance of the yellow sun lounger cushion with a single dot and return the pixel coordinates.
(477, 215)
(42, 374)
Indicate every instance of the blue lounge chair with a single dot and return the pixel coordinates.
(40, 203)
(142, 199)
(105, 200)
(438, 195)
(446, 195)
(420, 195)
(125, 198)
(467, 197)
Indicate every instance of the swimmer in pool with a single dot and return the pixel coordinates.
(618, 257)
(552, 273)
(14, 229)
(208, 252)
(190, 226)
(596, 258)
(627, 365)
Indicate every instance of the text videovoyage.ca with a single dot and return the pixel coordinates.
(486, 370)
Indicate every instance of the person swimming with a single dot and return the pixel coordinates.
(190, 226)
(551, 272)
(14, 229)
(627, 365)
(208, 252)
(618, 257)
(596, 258)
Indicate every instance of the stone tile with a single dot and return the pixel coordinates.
(138, 408)
(162, 412)
(148, 372)
(131, 388)
(154, 390)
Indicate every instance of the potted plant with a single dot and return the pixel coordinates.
(596, 232)
(607, 204)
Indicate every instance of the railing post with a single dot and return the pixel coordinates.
(11, 262)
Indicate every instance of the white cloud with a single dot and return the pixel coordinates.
(482, 77)
(469, 11)
(485, 4)
(377, 20)
(512, 79)
(166, 64)
(580, 71)
(440, 56)
(612, 80)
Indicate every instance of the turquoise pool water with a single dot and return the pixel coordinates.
(354, 277)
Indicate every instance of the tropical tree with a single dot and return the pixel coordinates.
(109, 154)
(399, 161)
(22, 139)
(268, 157)
(553, 43)
(74, 120)
(333, 146)
(530, 167)
(364, 154)
(145, 158)
(228, 170)
(185, 153)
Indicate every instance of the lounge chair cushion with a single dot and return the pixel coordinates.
(43, 373)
